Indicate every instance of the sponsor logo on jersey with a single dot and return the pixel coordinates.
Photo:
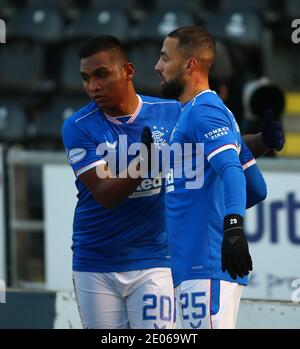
(148, 187)
(217, 133)
(169, 182)
(75, 155)
(111, 146)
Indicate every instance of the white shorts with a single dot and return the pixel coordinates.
(134, 299)
(207, 304)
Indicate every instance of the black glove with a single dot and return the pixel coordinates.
(235, 252)
(272, 132)
(147, 139)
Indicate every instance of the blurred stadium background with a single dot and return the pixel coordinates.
(257, 67)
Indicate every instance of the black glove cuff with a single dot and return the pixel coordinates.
(233, 222)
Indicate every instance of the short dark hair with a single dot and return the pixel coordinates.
(196, 41)
(100, 43)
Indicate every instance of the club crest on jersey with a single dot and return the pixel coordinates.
(158, 135)
(75, 155)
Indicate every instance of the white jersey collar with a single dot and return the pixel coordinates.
(132, 116)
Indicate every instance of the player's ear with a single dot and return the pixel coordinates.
(191, 63)
(129, 70)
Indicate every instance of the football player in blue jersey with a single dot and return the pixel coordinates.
(209, 251)
(121, 259)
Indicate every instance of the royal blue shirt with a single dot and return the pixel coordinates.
(131, 236)
(195, 216)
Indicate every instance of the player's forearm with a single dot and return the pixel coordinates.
(113, 191)
(256, 144)
(256, 186)
(227, 165)
(234, 190)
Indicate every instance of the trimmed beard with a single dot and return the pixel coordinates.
(172, 89)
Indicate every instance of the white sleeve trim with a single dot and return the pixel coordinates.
(89, 166)
(220, 149)
(249, 164)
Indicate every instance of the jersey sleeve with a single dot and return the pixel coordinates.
(255, 184)
(246, 157)
(213, 128)
(80, 148)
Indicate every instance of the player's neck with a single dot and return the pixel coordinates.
(192, 89)
(127, 107)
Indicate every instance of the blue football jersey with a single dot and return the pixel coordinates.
(194, 217)
(131, 236)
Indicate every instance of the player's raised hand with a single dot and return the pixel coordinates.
(235, 252)
(272, 132)
(147, 139)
